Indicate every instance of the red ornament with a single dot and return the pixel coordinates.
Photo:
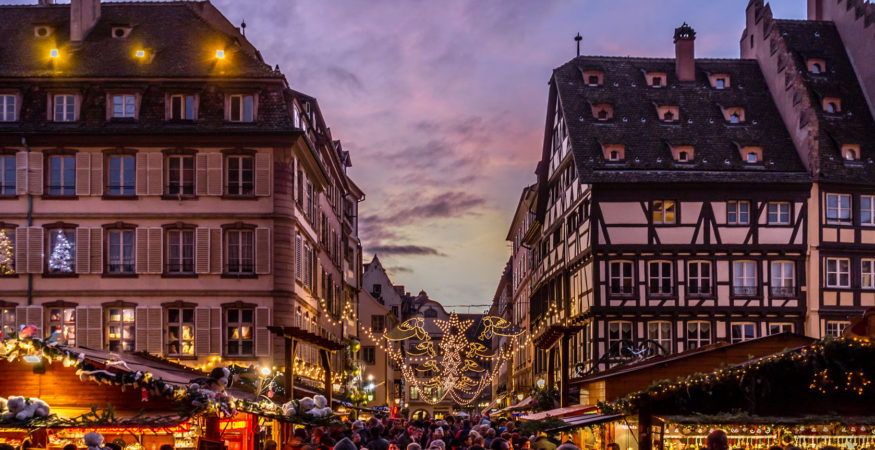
(144, 397)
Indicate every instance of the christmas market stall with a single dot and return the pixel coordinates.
(817, 395)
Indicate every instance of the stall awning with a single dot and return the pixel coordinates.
(521, 405)
(573, 410)
(586, 420)
(493, 403)
(303, 335)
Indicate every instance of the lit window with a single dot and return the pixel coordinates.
(783, 279)
(660, 279)
(744, 278)
(737, 212)
(240, 175)
(180, 175)
(602, 115)
(220, 54)
(663, 212)
(120, 329)
(7, 108)
(121, 180)
(238, 338)
(660, 332)
(124, 106)
(62, 251)
(699, 278)
(180, 251)
(743, 332)
(752, 157)
(65, 108)
(867, 271)
(621, 278)
(54, 53)
(120, 257)
(838, 208)
(779, 213)
(182, 107)
(734, 118)
(180, 331)
(835, 328)
(720, 83)
(242, 108)
(698, 334)
(850, 154)
(831, 107)
(7, 321)
(619, 333)
(62, 175)
(63, 321)
(838, 272)
(240, 252)
(867, 209)
(7, 174)
(778, 328)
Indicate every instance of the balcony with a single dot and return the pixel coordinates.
(744, 291)
(782, 291)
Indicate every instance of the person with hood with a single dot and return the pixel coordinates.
(345, 444)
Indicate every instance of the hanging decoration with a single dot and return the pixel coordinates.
(7, 259)
(450, 366)
(61, 259)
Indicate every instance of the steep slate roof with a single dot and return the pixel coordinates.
(854, 125)
(635, 123)
(181, 36)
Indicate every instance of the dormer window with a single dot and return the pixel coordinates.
(734, 118)
(832, 105)
(816, 66)
(603, 111)
(682, 153)
(719, 80)
(614, 152)
(593, 77)
(851, 152)
(42, 31)
(668, 113)
(734, 115)
(751, 154)
(751, 157)
(655, 79)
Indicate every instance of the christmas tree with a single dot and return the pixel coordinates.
(7, 262)
(61, 259)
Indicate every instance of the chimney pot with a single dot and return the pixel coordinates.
(685, 65)
(83, 16)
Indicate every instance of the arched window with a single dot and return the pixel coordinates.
(831, 108)
(751, 157)
(668, 116)
(734, 118)
(815, 68)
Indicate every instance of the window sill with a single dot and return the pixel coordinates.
(240, 275)
(59, 197)
(179, 197)
(239, 197)
(11, 275)
(178, 275)
(8, 197)
(123, 119)
(60, 275)
(119, 197)
(119, 275)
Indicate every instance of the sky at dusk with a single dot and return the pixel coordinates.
(442, 103)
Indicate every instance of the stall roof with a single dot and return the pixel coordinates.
(573, 410)
(525, 402)
(586, 420)
(118, 419)
(492, 404)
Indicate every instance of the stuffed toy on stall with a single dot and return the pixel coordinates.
(23, 408)
(94, 441)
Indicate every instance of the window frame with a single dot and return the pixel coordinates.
(181, 186)
(660, 277)
(240, 231)
(111, 106)
(621, 278)
(126, 188)
(63, 325)
(69, 112)
(609, 342)
(241, 110)
(69, 231)
(674, 206)
(169, 237)
(67, 188)
(837, 272)
(781, 328)
(782, 291)
(698, 340)
(744, 337)
(123, 323)
(372, 350)
(9, 230)
(183, 107)
(5, 107)
(8, 319)
(870, 274)
(660, 339)
(738, 213)
(241, 170)
(867, 220)
(779, 213)
(240, 340)
(699, 277)
(746, 290)
(838, 220)
(8, 174)
(844, 324)
(181, 323)
(108, 252)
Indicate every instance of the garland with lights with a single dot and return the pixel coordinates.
(7, 259)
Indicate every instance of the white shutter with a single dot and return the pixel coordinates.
(89, 327)
(299, 263)
(35, 250)
(21, 173)
(216, 331)
(142, 326)
(202, 330)
(201, 174)
(97, 174)
(83, 250)
(216, 248)
(83, 173)
(35, 173)
(215, 180)
(141, 247)
(155, 333)
(156, 250)
(262, 250)
(21, 250)
(202, 250)
(30, 315)
(96, 250)
(262, 334)
(141, 173)
(262, 174)
(155, 173)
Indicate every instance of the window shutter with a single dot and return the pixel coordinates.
(155, 334)
(202, 250)
(214, 174)
(156, 250)
(35, 250)
(262, 174)
(299, 267)
(97, 250)
(83, 250)
(21, 173)
(30, 315)
(201, 173)
(141, 174)
(202, 330)
(216, 331)
(262, 250)
(156, 180)
(83, 173)
(216, 248)
(21, 250)
(142, 249)
(97, 174)
(262, 335)
(89, 327)
(35, 173)
(142, 328)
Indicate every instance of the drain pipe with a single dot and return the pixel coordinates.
(29, 222)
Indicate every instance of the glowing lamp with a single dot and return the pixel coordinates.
(53, 53)
(220, 54)
(397, 401)
(541, 383)
(519, 397)
(140, 53)
(370, 378)
(33, 359)
(265, 371)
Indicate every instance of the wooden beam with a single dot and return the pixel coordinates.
(326, 364)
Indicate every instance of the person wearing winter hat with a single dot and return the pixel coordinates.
(345, 444)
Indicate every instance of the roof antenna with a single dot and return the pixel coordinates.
(243, 27)
(578, 38)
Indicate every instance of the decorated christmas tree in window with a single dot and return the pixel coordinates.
(61, 259)
(7, 261)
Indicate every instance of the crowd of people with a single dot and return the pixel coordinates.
(450, 433)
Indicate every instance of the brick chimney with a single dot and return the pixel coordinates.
(685, 65)
(83, 16)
